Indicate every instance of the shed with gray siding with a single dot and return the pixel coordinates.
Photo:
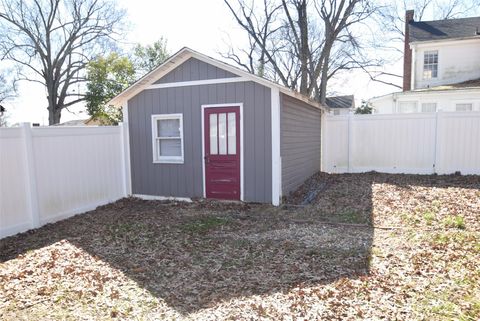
(198, 127)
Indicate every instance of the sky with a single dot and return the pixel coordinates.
(206, 26)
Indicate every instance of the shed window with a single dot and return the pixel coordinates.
(407, 107)
(167, 138)
(429, 107)
(430, 64)
(464, 107)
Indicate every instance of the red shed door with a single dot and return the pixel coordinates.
(222, 152)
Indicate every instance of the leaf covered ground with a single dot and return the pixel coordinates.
(368, 246)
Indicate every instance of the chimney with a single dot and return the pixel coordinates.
(407, 53)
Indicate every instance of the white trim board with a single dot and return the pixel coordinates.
(126, 150)
(158, 159)
(276, 156)
(198, 82)
(240, 106)
(162, 198)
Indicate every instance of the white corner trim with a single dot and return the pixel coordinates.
(276, 156)
(242, 151)
(198, 82)
(157, 159)
(162, 198)
(413, 68)
(126, 150)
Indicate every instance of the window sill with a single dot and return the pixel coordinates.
(168, 161)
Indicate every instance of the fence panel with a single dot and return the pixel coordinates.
(458, 145)
(403, 143)
(14, 201)
(72, 170)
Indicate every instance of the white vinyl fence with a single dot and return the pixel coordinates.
(442, 143)
(51, 173)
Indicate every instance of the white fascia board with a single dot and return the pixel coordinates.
(451, 41)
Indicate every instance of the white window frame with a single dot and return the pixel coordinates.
(428, 103)
(399, 107)
(464, 103)
(157, 159)
(425, 53)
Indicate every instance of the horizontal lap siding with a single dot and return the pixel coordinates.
(186, 180)
(300, 142)
(194, 69)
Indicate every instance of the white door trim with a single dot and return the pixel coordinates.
(240, 106)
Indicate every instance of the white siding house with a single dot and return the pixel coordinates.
(441, 68)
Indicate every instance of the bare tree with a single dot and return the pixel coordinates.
(303, 43)
(51, 42)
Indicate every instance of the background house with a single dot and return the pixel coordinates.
(441, 68)
(340, 105)
(201, 128)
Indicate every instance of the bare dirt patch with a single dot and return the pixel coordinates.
(152, 260)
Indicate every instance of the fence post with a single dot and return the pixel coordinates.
(349, 143)
(31, 183)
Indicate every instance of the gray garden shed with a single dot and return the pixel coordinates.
(198, 127)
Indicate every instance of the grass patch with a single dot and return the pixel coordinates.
(429, 217)
(469, 241)
(454, 222)
(351, 216)
(204, 224)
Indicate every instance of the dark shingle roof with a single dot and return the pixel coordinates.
(340, 101)
(444, 29)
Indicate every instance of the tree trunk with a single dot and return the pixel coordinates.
(54, 115)
(324, 77)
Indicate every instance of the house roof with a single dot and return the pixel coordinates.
(469, 85)
(347, 101)
(186, 53)
(76, 122)
(444, 29)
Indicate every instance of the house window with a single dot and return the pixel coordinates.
(167, 138)
(407, 107)
(429, 107)
(464, 107)
(430, 64)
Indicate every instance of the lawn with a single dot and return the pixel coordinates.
(369, 246)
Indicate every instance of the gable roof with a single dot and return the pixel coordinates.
(186, 53)
(444, 29)
(340, 102)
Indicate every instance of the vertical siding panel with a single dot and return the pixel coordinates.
(203, 74)
(194, 69)
(143, 141)
(230, 93)
(249, 142)
(221, 92)
(151, 111)
(196, 133)
(211, 72)
(164, 176)
(268, 143)
(259, 124)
